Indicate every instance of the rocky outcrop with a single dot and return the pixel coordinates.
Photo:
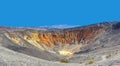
(71, 36)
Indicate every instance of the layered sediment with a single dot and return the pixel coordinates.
(70, 36)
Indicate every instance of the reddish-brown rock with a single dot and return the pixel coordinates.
(70, 36)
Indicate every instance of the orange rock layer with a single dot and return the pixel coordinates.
(70, 36)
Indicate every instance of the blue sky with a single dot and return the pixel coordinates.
(57, 12)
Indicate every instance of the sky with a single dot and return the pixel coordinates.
(57, 12)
